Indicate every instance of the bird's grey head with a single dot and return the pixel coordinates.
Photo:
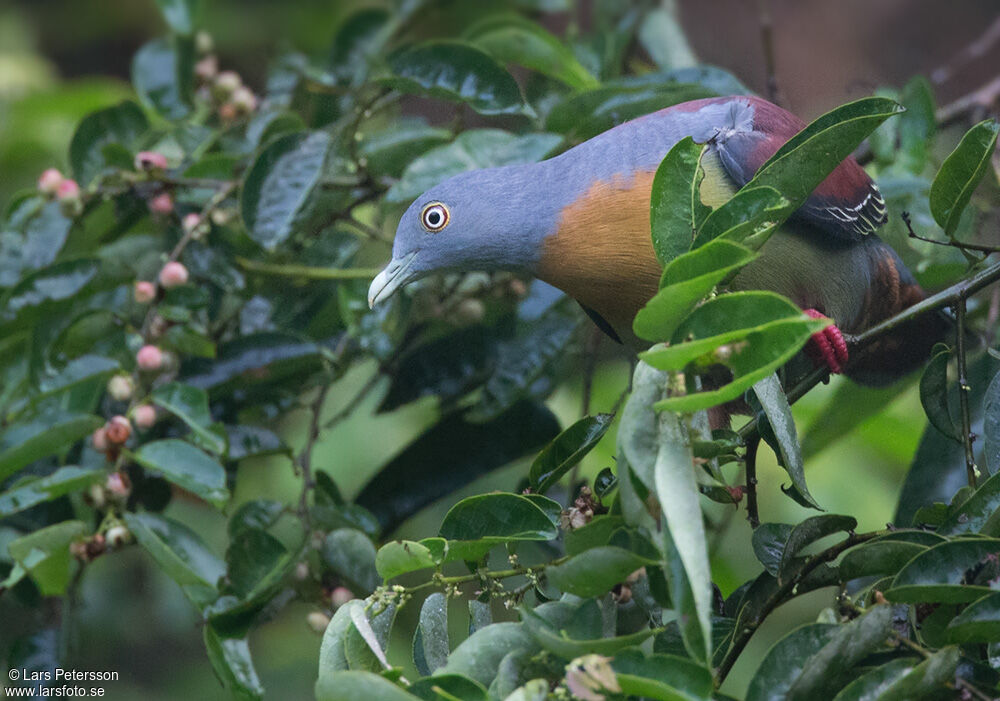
(492, 219)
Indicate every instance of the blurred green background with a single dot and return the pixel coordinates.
(60, 59)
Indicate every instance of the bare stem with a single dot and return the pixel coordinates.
(751, 478)
(963, 393)
(305, 457)
(953, 244)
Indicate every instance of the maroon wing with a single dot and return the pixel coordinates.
(847, 204)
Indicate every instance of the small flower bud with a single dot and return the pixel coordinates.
(190, 222)
(162, 204)
(340, 596)
(99, 440)
(302, 571)
(517, 288)
(173, 274)
(68, 190)
(244, 100)
(469, 311)
(318, 621)
(144, 416)
(117, 485)
(206, 69)
(121, 387)
(221, 217)
(118, 429)
(49, 182)
(203, 42)
(145, 292)
(117, 536)
(226, 83)
(149, 358)
(228, 112)
(150, 160)
(588, 675)
(95, 496)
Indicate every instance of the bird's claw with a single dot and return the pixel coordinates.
(827, 347)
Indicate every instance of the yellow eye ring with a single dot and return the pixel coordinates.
(434, 217)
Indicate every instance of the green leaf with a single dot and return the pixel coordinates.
(991, 426)
(934, 392)
(595, 571)
(359, 686)
(937, 574)
(332, 655)
(769, 540)
(402, 556)
(256, 563)
(960, 174)
(676, 210)
(880, 557)
(351, 554)
(680, 505)
(78, 371)
(688, 279)
(904, 680)
(46, 292)
(459, 72)
(566, 450)
(190, 405)
(471, 150)
(430, 643)
(847, 647)
(916, 125)
(252, 441)
(478, 656)
(761, 331)
(510, 38)
(183, 16)
(804, 161)
(682, 676)
(787, 660)
(497, 518)
(387, 151)
(557, 640)
(187, 467)
(23, 443)
(230, 658)
(163, 76)
(27, 493)
(978, 623)
(44, 555)
(980, 513)
(367, 638)
(180, 553)
(448, 687)
(122, 124)
(279, 188)
(782, 424)
(31, 238)
(743, 218)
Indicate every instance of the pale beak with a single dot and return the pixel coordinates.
(394, 276)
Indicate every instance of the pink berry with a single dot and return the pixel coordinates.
(68, 190)
(145, 292)
(244, 100)
(340, 596)
(99, 440)
(118, 429)
(149, 358)
(228, 112)
(191, 222)
(49, 181)
(150, 160)
(117, 484)
(207, 68)
(162, 204)
(173, 274)
(144, 416)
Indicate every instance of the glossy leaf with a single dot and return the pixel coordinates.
(473, 149)
(182, 15)
(687, 279)
(278, 189)
(676, 210)
(356, 685)
(23, 443)
(786, 661)
(682, 675)
(934, 393)
(190, 405)
(904, 680)
(458, 72)
(187, 467)
(980, 513)
(180, 554)
(445, 687)
(871, 685)
(25, 494)
(31, 238)
(991, 425)
(45, 292)
(256, 564)
(402, 556)
(478, 656)
(230, 658)
(351, 554)
(881, 557)
(431, 640)
(741, 218)
(566, 450)
(122, 125)
(163, 76)
(769, 541)
(367, 638)
(804, 161)
(388, 151)
(44, 555)
(595, 571)
(782, 425)
(960, 174)
(332, 656)
(558, 641)
(510, 38)
(497, 517)
(937, 574)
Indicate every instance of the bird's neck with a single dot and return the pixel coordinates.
(600, 251)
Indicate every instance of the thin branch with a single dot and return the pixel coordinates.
(980, 99)
(305, 457)
(306, 272)
(753, 443)
(349, 408)
(963, 394)
(782, 593)
(969, 53)
(767, 43)
(905, 216)
(369, 231)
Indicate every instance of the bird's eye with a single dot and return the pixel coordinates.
(434, 217)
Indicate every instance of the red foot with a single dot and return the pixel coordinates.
(827, 347)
